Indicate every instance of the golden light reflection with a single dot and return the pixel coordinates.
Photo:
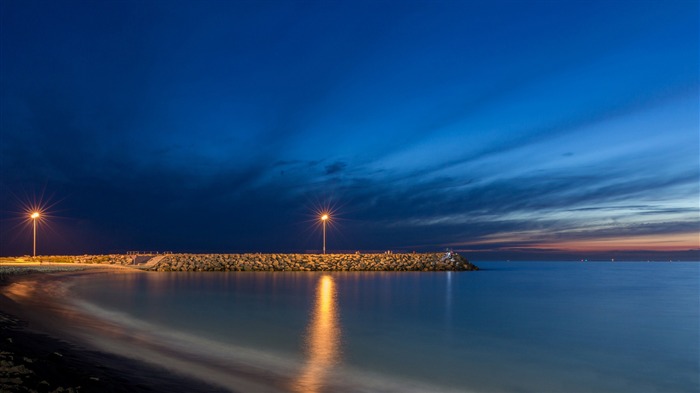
(323, 340)
(20, 290)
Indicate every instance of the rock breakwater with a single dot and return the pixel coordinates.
(450, 261)
(314, 262)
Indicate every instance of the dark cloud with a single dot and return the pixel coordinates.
(335, 167)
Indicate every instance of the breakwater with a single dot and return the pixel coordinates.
(450, 261)
(314, 262)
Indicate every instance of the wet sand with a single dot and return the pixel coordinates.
(34, 357)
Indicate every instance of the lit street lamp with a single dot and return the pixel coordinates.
(34, 217)
(324, 218)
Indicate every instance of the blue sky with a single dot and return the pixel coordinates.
(507, 129)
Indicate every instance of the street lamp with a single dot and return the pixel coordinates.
(34, 217)
(324, 218)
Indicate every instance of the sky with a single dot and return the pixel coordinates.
(500, 129)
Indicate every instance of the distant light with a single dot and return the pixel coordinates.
(324, 217)
(35, 215)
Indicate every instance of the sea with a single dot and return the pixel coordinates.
(510, 327)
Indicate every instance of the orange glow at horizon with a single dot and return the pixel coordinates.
(323, 343)
(673, 242)
(525, 241)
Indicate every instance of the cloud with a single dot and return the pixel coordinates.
(335, 167)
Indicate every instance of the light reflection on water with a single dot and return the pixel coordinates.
(323, 340)
(20, 290)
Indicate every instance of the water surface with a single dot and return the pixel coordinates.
(512, 327)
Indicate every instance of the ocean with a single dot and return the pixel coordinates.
(510, 327)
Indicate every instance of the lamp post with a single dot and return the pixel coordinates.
(324, 218)
(34, 217)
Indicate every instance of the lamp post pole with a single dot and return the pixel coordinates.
(34, 216)
(324, 218)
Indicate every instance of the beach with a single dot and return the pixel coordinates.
(33, 358)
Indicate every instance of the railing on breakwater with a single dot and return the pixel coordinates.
(149, 252)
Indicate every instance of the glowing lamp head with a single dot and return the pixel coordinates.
(324, 217)
(35, 215)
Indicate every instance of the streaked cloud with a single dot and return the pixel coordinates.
(215, 126)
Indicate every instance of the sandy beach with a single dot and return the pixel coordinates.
(35, 358)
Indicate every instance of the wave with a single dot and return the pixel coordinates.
(234, 367)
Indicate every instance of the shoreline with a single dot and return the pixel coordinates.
(36, 357)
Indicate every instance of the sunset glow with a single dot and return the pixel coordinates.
(680, 242)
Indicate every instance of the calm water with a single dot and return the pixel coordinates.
(512, 327)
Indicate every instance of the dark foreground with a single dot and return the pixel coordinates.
(32, 360)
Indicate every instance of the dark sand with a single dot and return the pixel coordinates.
(34, 359)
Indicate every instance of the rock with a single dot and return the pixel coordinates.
(291, 262)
